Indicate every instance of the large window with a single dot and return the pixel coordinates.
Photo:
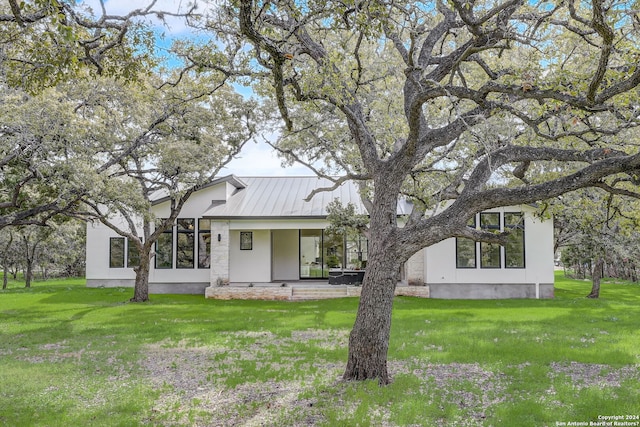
(185, 244)
(514, 249)
(164, 250)
(356, 253)
(490, 252)
(466, 249)
(204, 243)
(116, 252)
(133, 254)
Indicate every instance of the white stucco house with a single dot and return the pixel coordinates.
(259, 230)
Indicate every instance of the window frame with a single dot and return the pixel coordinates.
(246, 240)
(472, 224)
(131, 247)
(183, 230)
(484, 245)
(207, 244)
(521, 226)
(169, 232)
(112, 240)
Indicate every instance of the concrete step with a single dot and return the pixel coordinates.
(300, 294)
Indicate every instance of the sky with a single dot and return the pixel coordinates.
(257, 157)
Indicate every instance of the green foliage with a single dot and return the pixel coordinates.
(420, 97)
(49, 42)
(184, 360)
(591, 224)
(344, 219)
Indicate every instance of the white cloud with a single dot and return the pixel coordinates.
(259, 159)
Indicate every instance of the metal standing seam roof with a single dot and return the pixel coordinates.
(278, 197)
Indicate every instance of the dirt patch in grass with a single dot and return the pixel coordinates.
(195, 389)
(466, 385)
(584, 375)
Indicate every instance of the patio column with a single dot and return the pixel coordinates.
(415, 269)
(219, 253)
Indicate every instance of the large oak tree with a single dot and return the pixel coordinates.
(439, 102)
(44, 43)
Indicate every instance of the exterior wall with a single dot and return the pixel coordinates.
(174, 280)
(285, 249)
(491, 290)
(97, 258)
(154, 288)
(99, 274)
(250, 265)
(197, 203)
(275, 257)
(447, 281)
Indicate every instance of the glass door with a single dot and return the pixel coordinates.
(333, 251)
(321, 252)
(311, 262)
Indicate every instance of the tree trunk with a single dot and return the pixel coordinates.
(5, 279)
(369, 339)
(28, 274)
(596, 278)
(141, 288)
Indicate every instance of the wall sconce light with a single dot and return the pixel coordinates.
(219, 237)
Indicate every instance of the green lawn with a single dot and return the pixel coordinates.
(71, 355)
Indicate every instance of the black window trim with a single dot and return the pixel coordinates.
(203, 231)
(128, 250)
(180, 231)
(155, 258)
(124, 251)
(500, 251)
(524, 246)
(473, 223)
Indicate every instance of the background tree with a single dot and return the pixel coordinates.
(43, 43)
(8, 253)
(31, 244)
(56, 249)
(48, 41)
(63, 252)
(161, 142)
(91, 131)
(437, 102)
(36, 138)
(600, 231)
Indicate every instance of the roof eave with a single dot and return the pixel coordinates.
(231, 179)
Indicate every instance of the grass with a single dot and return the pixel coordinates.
(71, 355)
